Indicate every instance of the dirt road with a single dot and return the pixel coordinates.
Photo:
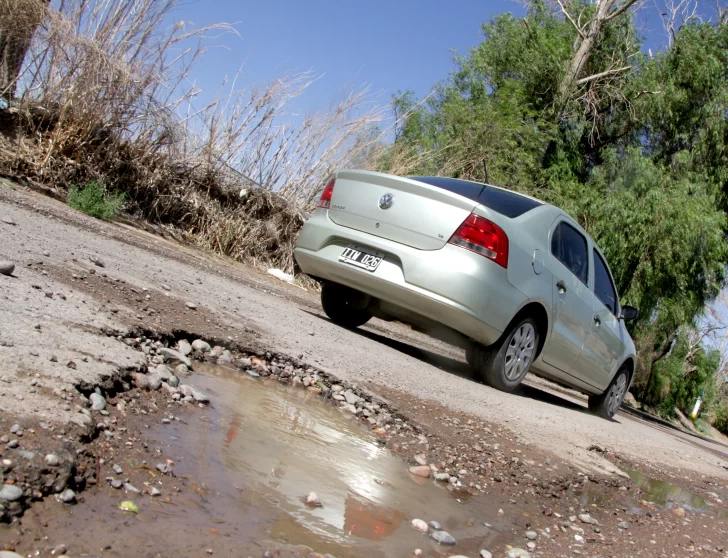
(55, 308)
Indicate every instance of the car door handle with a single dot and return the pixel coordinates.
(597, 321)
(561, 286)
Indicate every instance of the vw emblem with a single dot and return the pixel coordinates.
(386, 201)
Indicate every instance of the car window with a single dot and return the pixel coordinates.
(603, 287)
(499, 200)
(570, 248)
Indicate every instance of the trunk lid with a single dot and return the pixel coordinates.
(420, 215)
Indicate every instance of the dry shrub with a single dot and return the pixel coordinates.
(104, 95)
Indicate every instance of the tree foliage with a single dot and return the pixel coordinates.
(638, 156)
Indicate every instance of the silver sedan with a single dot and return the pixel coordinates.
(516, 282)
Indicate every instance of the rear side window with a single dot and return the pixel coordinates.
(603, 287)
(569, 246)
(501, 201)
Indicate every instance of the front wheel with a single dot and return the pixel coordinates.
(607, 404)
(346, 307)
(504, 364)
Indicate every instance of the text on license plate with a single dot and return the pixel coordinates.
(361, 257)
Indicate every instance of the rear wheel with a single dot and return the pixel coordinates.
(346, 307)
(607, 404)
(504, 364)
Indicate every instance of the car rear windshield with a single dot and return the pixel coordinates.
(504, 202)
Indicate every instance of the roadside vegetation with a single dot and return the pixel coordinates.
(567, 104)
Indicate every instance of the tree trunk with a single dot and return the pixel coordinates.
(589, 34)
(19, 22)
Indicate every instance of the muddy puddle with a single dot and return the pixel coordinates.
(252, 457)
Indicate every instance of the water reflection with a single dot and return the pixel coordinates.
(285, 442)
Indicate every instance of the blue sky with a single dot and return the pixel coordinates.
(390, 44)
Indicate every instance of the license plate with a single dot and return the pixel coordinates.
(361, 257)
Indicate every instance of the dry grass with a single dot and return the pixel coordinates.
(105, 94)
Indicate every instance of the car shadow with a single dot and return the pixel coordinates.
(461, 368)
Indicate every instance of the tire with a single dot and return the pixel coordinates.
(346, 307)
(504, 364)
(607, 404)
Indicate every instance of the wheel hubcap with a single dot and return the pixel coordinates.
(616, 394)
(521, 347)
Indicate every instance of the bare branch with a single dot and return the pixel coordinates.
(619, 11)
(571, 19)
(603, 74)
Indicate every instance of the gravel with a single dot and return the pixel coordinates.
(184, 347)
(435, 525)
(68, 496)
(420, 525)
(117, 469)
(117, 484)
(6, 267)
(518, 553)
(98, 403)
(174, 356)
(443, 537)
(189, 391)
(10, 493)
(586, 518)
(485, 554)
(202, 346)
(531, 535)
(52, 460)
(154, 492)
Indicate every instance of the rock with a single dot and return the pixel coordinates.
(225, 358)
(174, 356)
(531, 535)
(98, 403)
(420, 471)
(200, 345)
(420, 525)
(129, 487)
(518, 553)
(116, 484)
(351, 397)
(12, 444)
(140, 380)
(420, 459)
(680, 512)
(442, 477)
(6, 267)
(154, 492)
(96, 261)
(623, 525)
(252, 373)
(435, 525)
(68, 496)
(586, 518)
(15, 428)
(165, 420)
(8, 220)
(164, 468)
(10, 493)
(192, 305)
(216, 351)
(630, 400)
(531, 546)
(173, 381)
(8, 554)
(181, 370)
(118, 470)
(189, 391)
(349, 408)
(313, 500)
(485, 554)
(184, 347)
(443, 537)
(163, 371)
(155, 382)
(52, 460)
(337, 388)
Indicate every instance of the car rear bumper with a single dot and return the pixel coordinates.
(452, 286)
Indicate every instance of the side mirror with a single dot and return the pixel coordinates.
(629, 313)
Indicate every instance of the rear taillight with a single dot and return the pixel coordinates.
(325, 200)
(479, 235)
